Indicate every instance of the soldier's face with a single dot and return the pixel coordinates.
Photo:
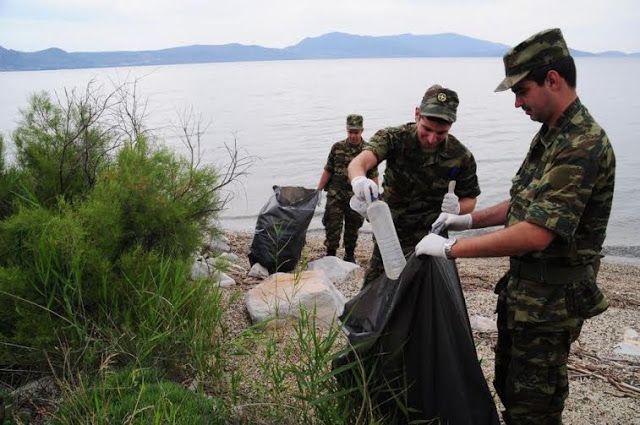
(431, 133)
(354, 136)
(534, 100)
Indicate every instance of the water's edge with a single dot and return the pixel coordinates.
(617, 254)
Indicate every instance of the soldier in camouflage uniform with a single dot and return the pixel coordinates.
(555, 225)
(335, 181)
(422, 158)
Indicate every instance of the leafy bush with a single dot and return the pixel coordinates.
(139, 396)
(149, 197)
(62, 149)
(41, 263)
(97, 243)
(57, 289)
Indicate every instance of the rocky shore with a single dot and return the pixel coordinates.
(604, 382)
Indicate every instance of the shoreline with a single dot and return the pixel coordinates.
(613, 254)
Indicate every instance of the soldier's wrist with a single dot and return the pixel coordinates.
(448, 245)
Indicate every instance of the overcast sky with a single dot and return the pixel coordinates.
(103, 25)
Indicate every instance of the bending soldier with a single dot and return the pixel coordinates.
(422, 158)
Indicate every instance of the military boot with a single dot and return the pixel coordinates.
(349, 256)
(331, 252)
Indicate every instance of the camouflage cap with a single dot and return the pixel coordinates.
(439, 102)
(354, 122)
(540, 49)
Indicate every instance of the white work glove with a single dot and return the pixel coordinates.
(451, 222)
(450, 204)
(432, 245)
(365, 189)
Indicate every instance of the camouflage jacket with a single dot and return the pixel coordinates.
(565, 184)
(415, 181)
(340, 156)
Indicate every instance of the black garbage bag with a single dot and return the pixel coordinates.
(281, 228)
(414, 340)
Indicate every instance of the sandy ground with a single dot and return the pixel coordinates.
(605, 386)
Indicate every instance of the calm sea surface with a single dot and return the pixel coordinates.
(287, 114)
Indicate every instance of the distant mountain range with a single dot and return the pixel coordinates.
(334, 45)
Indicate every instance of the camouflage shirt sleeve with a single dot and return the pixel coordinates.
(566, 183)
(330, 166)
(463, 170)
(385, 141)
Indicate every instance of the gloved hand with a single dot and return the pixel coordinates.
(358, 206)
(432, 245)
(365, 189)
(452, 222)
(450, 204)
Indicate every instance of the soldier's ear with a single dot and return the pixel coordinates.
(553, 79)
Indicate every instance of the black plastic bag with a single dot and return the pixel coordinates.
(281, 228)
(414, 340)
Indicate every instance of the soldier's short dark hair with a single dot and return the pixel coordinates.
(565, 67)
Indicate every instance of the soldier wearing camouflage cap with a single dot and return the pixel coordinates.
(335, 181)
(422, 158)
(555, 224)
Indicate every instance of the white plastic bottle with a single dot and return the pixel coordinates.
(387, 239)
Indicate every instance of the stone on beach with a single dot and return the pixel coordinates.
(336, 269)
(206, 269)
(259, 271)
(218, 245)
(284, 295)
(482, 324)
(630, 344)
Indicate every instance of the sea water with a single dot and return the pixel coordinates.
(285, 115)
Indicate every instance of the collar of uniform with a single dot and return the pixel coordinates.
(549, 134)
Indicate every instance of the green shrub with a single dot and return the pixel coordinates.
(61, 148)
(41, 256)
(152, 198)
(142, 306)
(106, 276)
(138, 396)
(98, 227)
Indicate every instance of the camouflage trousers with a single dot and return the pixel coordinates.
(337, 212)
(531, 364)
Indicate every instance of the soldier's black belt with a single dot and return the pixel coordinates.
(549, 273)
